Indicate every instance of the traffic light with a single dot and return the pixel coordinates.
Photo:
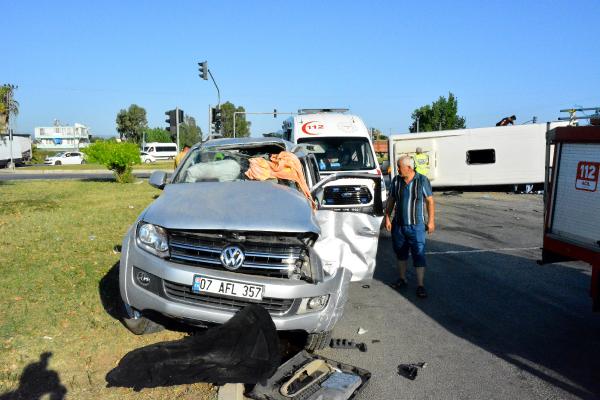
(274, 113)
(203, 69)
(171, 120)
(216, 119)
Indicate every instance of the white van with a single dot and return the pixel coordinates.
(161, 151)
(340, 143)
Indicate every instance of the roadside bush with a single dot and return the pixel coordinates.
(117, 157)
(38, 156)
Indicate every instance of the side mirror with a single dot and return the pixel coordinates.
(158, 179)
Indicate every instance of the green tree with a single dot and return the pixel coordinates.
(189, 132)
(159, 135)
(242, 127)
(440, 115)
(8, 105)
(131, 123)
(117, 157)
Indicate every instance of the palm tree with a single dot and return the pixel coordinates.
(8, 105)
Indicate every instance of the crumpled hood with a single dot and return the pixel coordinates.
(232, 206)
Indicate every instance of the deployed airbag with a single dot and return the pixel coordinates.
(243, 350)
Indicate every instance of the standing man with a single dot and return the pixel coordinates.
(421, 162)
(410, 192)
(181, 154)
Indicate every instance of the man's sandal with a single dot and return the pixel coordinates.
(399, 284)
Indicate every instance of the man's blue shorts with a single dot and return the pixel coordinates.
(410, 237)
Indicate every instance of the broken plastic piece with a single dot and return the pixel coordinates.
(361, 331)
(410, 370)
(366, 286)
(347, 344)
(375, 341)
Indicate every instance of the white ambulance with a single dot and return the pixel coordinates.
(340, 143)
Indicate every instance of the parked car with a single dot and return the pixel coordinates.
(147, 158)
(65, 158)
(215, 241)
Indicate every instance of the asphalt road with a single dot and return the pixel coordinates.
(495, 326)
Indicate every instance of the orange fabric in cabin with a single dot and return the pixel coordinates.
(284, 165)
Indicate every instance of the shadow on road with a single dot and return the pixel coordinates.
(37, 381)
(538, 318)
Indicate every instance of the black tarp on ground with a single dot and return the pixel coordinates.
(243, 350)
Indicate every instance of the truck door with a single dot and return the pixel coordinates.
(349, 235)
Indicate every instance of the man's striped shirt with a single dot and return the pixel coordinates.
(410, 198)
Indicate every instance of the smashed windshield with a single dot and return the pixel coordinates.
(340, 153)
(213, 165)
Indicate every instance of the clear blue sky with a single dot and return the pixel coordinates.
(83, 61)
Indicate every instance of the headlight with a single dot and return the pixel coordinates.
(312, 304)
(153, 239)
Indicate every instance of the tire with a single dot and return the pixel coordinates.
(317, 341)
(57, 163)
(147, 161)
(140, 325)
(82, 162)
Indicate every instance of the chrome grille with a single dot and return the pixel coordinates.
(184, 294)
(346, 195)
(266, 255)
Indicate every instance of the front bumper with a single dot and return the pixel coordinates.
(274, 288)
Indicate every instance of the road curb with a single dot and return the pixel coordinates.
(75, 172)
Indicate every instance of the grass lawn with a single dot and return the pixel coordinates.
(150, 166)
(56, 247)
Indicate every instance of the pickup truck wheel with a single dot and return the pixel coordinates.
(141, 325)
(57, 163)
(318, 341)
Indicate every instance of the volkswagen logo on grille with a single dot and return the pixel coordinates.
(232, 257)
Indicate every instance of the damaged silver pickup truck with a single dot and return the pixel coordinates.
(216, 240)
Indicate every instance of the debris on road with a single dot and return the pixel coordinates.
(347, 344)
(366, 286)
(410, 370)
(311, 377)
(361, 331)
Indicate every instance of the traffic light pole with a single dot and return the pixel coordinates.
(274, 112)
(177, 125)
(218, 91)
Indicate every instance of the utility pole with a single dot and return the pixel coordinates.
(418, 117)
(8, 99)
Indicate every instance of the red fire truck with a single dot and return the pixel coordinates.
(572, 200)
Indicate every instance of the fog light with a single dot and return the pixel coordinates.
(143, 278)
(318, 303)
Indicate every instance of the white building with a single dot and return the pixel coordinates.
(60, 137)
